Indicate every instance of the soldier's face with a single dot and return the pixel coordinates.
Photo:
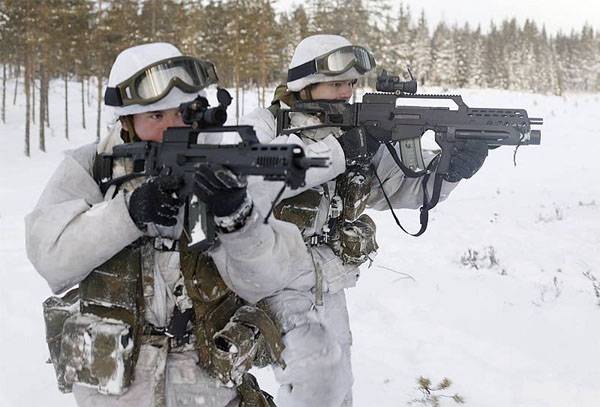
(150, 126)
(337, 90)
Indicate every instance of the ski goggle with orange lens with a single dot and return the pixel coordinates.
(335, 62)
(155, 81)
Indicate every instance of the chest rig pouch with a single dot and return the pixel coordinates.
(353, 233)
(348, 231)
(302, 210)
(94, 331)
(231, 336)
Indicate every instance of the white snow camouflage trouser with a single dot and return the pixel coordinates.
(318, 368)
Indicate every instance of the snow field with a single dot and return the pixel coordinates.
(521, 329)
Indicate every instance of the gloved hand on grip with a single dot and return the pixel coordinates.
(223, 191)
(466, 159)
(359, 147)
(155, 201)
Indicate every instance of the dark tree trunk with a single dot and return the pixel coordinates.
(83, 102)
(66, 106)
(89, 94)
(42, 139)
(3, 93)
(32, 98)
(98, 121)
(16, 84)
(27, 104)
(47, 101)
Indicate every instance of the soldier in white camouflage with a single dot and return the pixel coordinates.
(152, 323)
(310, 302)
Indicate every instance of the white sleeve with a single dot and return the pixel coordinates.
(261, 259)
(72, 230)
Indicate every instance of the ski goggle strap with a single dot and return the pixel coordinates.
(335, 62)
(155, 81)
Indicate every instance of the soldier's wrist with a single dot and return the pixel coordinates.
(237, 219)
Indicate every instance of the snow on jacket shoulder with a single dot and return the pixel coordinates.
(72, 229)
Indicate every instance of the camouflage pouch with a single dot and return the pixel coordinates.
(302, 210)
(356, 240)
(231, 337)
(251, 395)
(97, 352)
(96, 344)
(354, 187)
(114, 289)
(56, 311)
(237, 344)
(203, 282)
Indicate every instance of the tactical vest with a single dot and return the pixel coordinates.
(94, 332)
(337, 218)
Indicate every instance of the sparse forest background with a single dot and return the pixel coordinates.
(251, 45)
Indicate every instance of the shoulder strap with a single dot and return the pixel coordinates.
(102, 169)
(274, 109)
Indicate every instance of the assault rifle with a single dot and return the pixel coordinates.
(390, 122)
(179, 154)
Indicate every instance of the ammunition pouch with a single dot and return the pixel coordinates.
(94, 332)
(355, 241)
(302, 210)
(56, 311)
(97, 352)
(231, 336)
(353, 187)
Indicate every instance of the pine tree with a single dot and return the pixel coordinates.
(443, 56)
(462, 49)
(495, 66)
(421, 51)
(402, 40)
(476, 71)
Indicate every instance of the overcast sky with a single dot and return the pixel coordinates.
(563, 15)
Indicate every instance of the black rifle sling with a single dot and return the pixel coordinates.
(407, 171)
(427, 203)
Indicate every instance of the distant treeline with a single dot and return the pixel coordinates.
(251, 44)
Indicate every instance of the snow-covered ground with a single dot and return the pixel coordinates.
(498, 296)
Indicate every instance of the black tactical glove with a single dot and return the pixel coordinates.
(467, 158)
(223, 191)
(155, 201)
(359, 147)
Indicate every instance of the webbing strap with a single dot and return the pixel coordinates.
(407, 171)
(427, 203)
